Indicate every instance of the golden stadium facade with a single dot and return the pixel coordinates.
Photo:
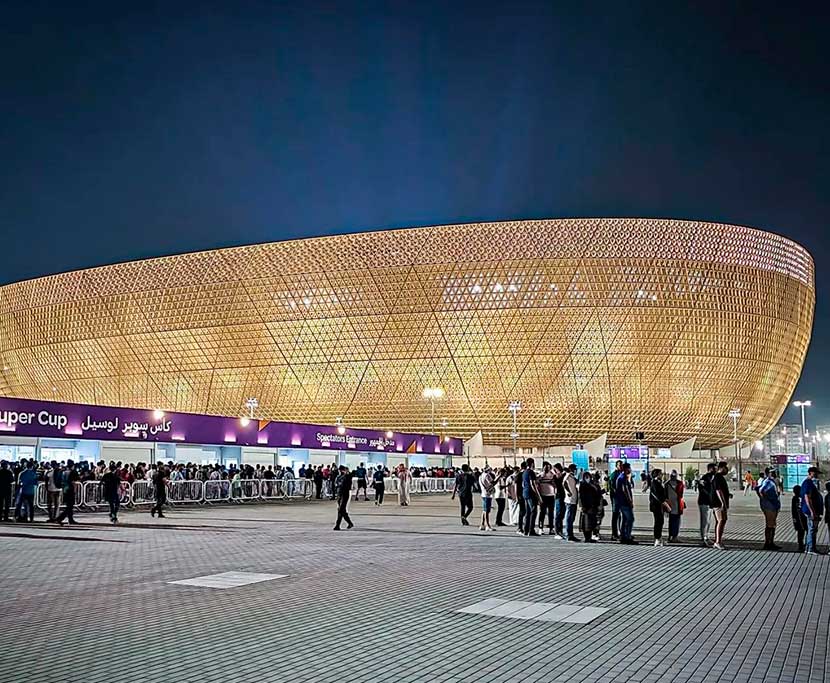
(595, 325)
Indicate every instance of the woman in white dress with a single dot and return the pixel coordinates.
(404, 478)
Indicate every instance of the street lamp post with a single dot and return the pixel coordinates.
(804, 432)
(514, 407)
(433, 394)
(735, 414)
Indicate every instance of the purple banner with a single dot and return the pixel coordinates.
(52, 420)
(791, 459)
(627, 453)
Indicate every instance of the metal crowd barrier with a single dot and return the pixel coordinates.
(40, 495)
(94, 495)
(90, 494)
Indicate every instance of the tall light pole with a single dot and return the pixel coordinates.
(803, 405)
(433, 394)
(735, 414)
(514, 407)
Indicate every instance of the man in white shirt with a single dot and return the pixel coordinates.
(487, 484)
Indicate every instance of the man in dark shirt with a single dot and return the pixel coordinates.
(160, 483)
(530, 492)
(704, 502)
(343, 484)
(720, 502)
(812, 506)
(360, 473)
(464, 489)
(624, 498)
(559, 504)
(69, 479)
(615, 513)
(111, 483)
(6, 488)
(378, 484)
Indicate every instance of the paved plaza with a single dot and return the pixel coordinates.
(269, 592)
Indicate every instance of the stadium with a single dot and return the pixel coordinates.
(595, 326)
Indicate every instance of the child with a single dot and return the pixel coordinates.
(799, 518)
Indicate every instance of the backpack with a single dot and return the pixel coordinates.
(57, 477)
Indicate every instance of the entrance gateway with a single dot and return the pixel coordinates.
(49, 430)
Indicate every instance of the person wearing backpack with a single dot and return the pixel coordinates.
(704, 502)
(658, 505)
(770, 505)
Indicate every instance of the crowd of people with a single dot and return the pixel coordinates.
(557, 494)
(560, 498)
(19, 482)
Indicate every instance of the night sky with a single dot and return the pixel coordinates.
(129, 133)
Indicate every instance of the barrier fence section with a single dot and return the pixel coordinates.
(90, 494)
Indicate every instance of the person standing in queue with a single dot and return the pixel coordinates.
(705, 492)
(615, 513)
(6, 489)
(532, 499)
(658, 505)
(343, 485)
(720, 503)
(812, 505)
(378, 484)
(625, 504)
(70, 476)
(160, 482)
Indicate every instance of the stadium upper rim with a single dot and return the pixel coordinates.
(798, 247)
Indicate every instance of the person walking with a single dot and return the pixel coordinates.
(770, 506)
(674, 493)
(500, 495)
(111, 484)
(487, 485)
(360, 474)
(571, 487)
(464, 490)
(720, 503)
(615, 513)
(624, 494)
(812, 505)
(343, 485)
(378, 484)
(6, 490)
(530, 493)
(749, 483)
(160, 483)
(70, 476)
(658, 505)
(547, 490)
(704, 502)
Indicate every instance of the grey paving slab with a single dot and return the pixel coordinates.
(389, 591)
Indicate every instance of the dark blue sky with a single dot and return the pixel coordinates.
(161, 128)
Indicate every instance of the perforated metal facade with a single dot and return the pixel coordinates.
(595, 325)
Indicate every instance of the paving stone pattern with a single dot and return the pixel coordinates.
(381, 602)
